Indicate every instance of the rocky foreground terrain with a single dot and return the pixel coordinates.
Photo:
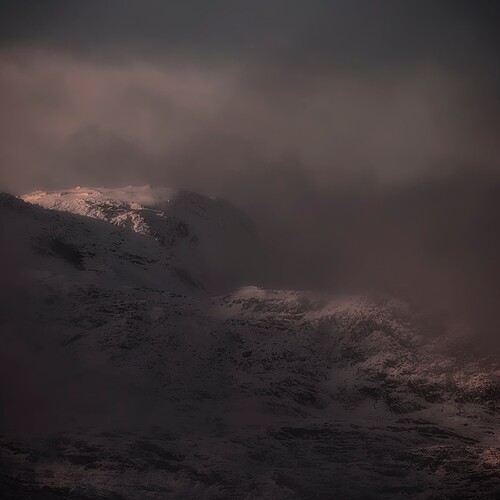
(130, 371)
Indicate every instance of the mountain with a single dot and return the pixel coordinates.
(123, 379)
(209, 237)
(55, 246)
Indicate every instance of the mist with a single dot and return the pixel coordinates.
(362, 140)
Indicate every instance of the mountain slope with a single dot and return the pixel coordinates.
(136, 384)
(210, 238)
(52, 245)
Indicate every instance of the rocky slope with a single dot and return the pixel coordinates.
(206, 236)
(121, 380)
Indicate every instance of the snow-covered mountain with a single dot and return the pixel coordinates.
(50, 245)
(138, 383)
(209, 237)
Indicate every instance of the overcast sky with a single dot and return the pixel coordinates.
(200, 94)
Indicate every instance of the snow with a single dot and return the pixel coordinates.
(141, 195)
(210, 238)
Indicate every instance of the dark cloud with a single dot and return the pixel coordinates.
(345, 32)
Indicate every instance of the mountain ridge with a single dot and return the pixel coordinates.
(209, 237)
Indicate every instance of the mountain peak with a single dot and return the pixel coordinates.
(209, 236)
